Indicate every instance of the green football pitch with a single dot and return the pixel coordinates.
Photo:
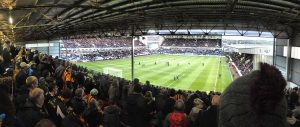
(205, 73)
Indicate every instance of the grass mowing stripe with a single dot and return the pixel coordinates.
(217, 74)
(192, 77)
(163, 78)
(184, 80)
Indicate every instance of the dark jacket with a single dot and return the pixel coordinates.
(72, 121)
(6, 58)
(136, 107)
(52, 105)
(207, 118)
(111, 116)
(31, 115)
(21, 78)
(92, 117)
(43, 69)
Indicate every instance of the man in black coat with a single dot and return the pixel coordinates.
(6, 58)
(136, 107)
(34, 111)
(22, 75)
(75, 119)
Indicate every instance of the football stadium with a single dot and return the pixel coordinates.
(149, 63)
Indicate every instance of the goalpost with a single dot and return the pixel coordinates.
(113, 72)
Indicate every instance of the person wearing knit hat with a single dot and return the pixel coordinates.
(255, 100)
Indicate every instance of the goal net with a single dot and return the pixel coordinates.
(113, 71)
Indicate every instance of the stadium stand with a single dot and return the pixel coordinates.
(184, 42)
(91, 49)
(71, 95)
(243, 61)
(107, 42)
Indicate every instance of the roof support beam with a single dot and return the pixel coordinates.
(79, 2)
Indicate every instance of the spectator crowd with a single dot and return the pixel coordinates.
(126, 52)
(244, 62)
(186, 42)
(37, 90)
(97, 42)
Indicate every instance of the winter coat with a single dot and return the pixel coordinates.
(31, 115)
(111, 116)
(136, 107)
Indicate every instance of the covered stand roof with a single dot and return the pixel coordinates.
(47, 19)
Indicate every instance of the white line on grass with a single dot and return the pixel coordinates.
(230, 73)
(217, 75)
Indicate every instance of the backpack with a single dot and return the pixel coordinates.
(177, 119)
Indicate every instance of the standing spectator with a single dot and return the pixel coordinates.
(136, 107)
(195, 110)
(179, 95)
(7, 109)
(7, 57)
(43, 67)
(177, 118)
(23, 92)
(189, 104)
(93, 114)
(91, 96)
(58, 74)
(111, 116)
(150, 105)
(169, 106)
(32, 70)
(75, 119)
(209, 118)
(293, 98)
(78, 98)
(22, 75)
(2, 68)
(67, 77)
(255, 100)
(45, 123)
(160, 106)
(113, 91)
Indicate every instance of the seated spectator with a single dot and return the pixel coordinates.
(177, 118)
(255, 100)
(34, 111)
